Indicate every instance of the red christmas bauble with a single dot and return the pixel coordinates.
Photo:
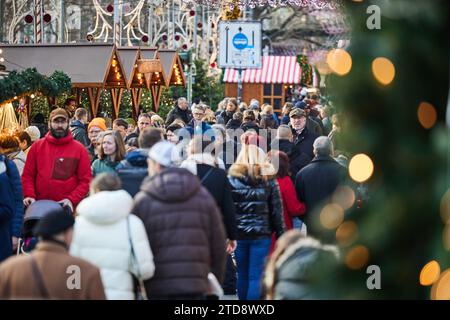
(164, 37)
(144, 38)
(28, 18)
(192, 13)
(110, 8)
(213, 65)
(199, 25)
(47, 18)
(177, 38)
(184, 46)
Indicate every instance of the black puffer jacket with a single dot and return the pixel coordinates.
(259, 208)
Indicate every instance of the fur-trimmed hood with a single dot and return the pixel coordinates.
(106, 207)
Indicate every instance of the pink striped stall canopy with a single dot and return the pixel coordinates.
(275, 69)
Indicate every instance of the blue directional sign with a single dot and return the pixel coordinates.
(240, 44)
(240, 41)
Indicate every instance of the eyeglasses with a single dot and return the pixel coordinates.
(95, 131)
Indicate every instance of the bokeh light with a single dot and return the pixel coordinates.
(344, 196)
(360, 167)
(346, 233)
(331, 216)
(427, 115)
(357, 257)
(430, 273)
(339, 61)
(445, 207)
(446, 237)
(383, 70)
(441, 288)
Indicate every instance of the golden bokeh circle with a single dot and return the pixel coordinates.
(441, 288)
(339, 61)
(430, 273)
(357, 257)
(346, 233)
(360, 167)
(331, 216)
(383, 70)
(427, 115)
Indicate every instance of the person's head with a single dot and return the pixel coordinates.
(298, 119)
(8, 143)
(24, 140)
(131, 125)
(171, 133)
(70, 105)
(323, 146)
(149, 137)
(182, 103)
(144, 121)
(231, 105)
(81, 115)
(178, 122)
(267, 109)
(210, 118)
(199, 145)
(55, 225)
(160, 157)
(105, 182)
(157, 121)
(121, 126)
(59, 123)
(198, 112)
(286, 240)
(251, 162)
(254, 102)
(243, 106)
(112, 146)
(288, 106)
(238, 116)
(279, 160)
(95, 127)
(132, 144)
(284, 133)
(33, 132)
(248, 116)
(222, 104)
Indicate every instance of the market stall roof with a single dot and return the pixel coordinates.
(155, 78)
(172, 67)
(275, 69)
(129, 57)
(88, 65)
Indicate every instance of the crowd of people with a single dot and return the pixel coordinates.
(168, 208)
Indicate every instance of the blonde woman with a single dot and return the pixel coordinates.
(259, 213)
(111, 152)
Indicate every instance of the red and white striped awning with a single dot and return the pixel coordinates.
(275, 69)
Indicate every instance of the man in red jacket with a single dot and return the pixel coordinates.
(57, 166)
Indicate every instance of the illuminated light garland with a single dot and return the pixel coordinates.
(317, 4)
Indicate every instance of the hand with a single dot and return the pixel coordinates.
(66, 203)
(28, 201)
(231, 246)
(15, 242)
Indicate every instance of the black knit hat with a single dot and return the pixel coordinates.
(53, 223)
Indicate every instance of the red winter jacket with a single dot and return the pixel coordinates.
(57, 169)
(291, 206)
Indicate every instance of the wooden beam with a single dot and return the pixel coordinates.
(136, 96)
(156, 96)
(116, 97)
(94, 100)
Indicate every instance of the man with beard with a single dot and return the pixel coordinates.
(57, 166)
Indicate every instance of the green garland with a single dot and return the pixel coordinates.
(307, 76)
(29, 81)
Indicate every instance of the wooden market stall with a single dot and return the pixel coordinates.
(94, 68)
(270, 84)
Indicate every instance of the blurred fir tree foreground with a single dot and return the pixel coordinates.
(395, 95)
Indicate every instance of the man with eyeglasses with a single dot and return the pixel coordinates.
(95, 128)
(197, 126)
(144, 121)
(57, 166)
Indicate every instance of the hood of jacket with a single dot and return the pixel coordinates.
(137, 158)
(171, 185)
(106, 207)
(77, 124)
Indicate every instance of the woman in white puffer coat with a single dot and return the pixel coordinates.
(102, 234)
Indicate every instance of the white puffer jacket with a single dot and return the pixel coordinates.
(101, 237)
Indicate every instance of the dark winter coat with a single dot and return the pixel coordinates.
(216, 182)
(315, 125)
(79, 132)
(297, 158)
(259, 207)
(6, 211)
(133, 170)
(185, 231)
(177, 113)
(224, 117)
(233, 124)
(317, 181)
(304, 141)
(246, 126)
